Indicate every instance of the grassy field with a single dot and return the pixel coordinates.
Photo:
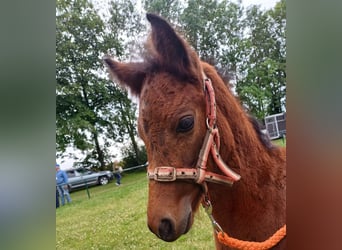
(115, 218)
(280, 142)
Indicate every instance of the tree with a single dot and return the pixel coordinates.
(125, 24)
(82, 94)
(278, 21)
(169, 9)
(129, 157)
(123, 125)
(261, 85)
(214, 29)
(93, 114)
(247, 46)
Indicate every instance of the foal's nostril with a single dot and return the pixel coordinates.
(166, 230)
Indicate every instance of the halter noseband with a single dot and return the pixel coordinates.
(211, 144)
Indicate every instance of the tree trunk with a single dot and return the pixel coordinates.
(99, 151)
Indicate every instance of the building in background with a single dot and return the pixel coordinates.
(276, 125)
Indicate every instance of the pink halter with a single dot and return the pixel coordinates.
(211, 144)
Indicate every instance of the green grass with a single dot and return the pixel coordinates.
(280, 142)
(115, 218)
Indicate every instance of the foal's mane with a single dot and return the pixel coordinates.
(264, 138)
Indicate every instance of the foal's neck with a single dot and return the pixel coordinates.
(254, 207)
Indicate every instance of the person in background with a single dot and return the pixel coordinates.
(117, 173)
(61, 183)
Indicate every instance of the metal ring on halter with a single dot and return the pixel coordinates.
(209, 209)
(207, 122)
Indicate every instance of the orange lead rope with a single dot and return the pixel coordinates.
(251, 245)
(231, 242)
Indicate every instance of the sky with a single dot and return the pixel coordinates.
(267, 4)
(67, 163)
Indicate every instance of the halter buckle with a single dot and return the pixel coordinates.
(165, 174)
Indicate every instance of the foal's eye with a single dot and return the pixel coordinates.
(185, 124)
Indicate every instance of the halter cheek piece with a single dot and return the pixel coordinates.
(211, 144)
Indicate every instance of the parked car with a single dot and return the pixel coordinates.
(80, 178)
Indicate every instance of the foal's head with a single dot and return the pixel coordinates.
(172, 123)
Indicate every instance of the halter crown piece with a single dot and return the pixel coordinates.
(211, 144)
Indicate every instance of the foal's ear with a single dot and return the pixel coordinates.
(172, 51)
(130, 75)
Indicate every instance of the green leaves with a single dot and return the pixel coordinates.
(87, 103)
(246, 45)
(262, 81)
